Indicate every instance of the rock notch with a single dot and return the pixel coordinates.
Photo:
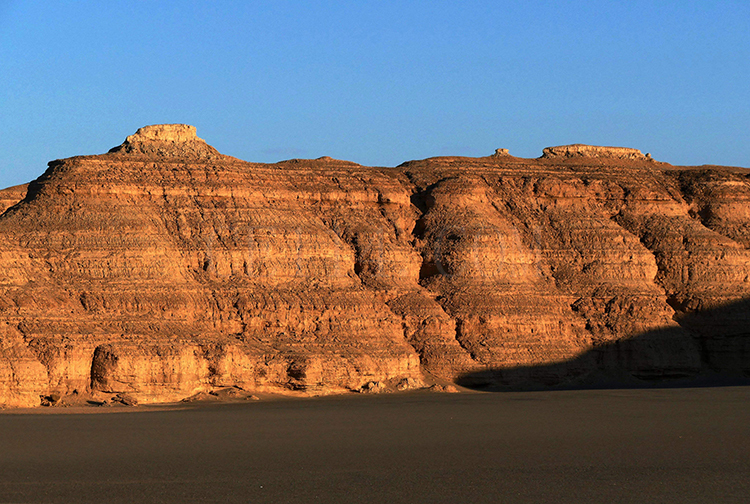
(592, 151)
(166, 140)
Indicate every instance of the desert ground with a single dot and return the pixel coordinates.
(627, 445)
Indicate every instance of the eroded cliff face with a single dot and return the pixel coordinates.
(164, 268)
(11, 196)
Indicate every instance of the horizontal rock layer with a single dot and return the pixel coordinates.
(594, 151)
(11, 196)
(163, 268)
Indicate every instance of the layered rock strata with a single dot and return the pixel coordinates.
(164, 268)
(11, 196)
(593, 151)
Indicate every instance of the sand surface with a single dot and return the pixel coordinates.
(665, 445)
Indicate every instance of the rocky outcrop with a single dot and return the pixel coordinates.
(593, 151)
(167, 140)
(164, 269)
(11, 196)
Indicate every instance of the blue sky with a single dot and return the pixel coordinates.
(375, 82)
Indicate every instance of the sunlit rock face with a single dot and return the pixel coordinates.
(164, 268)
(593, 151)
(171, 140)
(11, 196)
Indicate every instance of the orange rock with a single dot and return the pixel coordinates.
(164, 270)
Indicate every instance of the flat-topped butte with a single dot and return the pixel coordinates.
(593, 151)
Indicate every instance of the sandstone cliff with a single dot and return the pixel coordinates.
(164, 268)
(11, 196)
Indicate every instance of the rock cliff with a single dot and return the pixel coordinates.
(11, 196)
(593, 151)
(163, 268)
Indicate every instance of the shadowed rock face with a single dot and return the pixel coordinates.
(163, 268)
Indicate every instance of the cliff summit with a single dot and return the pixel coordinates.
(593, 151)
(166, 140)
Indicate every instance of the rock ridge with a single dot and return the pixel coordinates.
(593, 151)
(128, 275)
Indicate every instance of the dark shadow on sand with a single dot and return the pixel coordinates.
(710, 347)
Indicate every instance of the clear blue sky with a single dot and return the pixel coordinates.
(376, 82)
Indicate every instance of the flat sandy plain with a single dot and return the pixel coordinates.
(604, 446)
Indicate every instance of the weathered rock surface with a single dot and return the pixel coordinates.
(164, 269)
(167, 140)
(593, 151)
(11, 196)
